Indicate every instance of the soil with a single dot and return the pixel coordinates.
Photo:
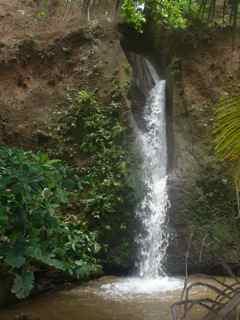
(44, 51)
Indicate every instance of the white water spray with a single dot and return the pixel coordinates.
(153, 241)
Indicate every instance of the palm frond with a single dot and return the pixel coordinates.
(227, 138)
(227, 129)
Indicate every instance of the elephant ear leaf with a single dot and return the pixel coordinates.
(23, 284)
(15, 260)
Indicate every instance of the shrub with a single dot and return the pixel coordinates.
(98, 135)
(33, 189)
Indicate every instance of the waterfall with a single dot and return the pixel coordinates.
(152, 241)
(152, 210)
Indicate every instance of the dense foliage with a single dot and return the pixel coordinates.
(40, 198)
(99, 136)
(133, 13)
(33, 189)
(180, 14)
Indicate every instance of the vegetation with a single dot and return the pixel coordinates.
(212, 210)
(41, 198)
(180, 14)
(134, 14)
(212, 213)
(99, 137)
(33, 231)
(227, 133)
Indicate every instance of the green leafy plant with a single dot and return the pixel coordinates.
(133, 15)
(33, 191)
(227, 137)
(43, 9)
(227, 129)
(171, 14)
(180, 14)
(84, 129)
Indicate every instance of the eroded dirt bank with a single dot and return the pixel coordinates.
(43, 51)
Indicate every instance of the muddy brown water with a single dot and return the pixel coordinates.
(92, 302)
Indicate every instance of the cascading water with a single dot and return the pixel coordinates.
(152, 211)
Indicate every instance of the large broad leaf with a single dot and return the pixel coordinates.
(23, 284)
(15, 259)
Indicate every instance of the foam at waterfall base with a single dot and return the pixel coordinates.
(132, 287)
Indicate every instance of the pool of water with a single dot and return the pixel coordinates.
(109, 298)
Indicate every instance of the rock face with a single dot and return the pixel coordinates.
(199, 72)
(202, 198)
(200, 69)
